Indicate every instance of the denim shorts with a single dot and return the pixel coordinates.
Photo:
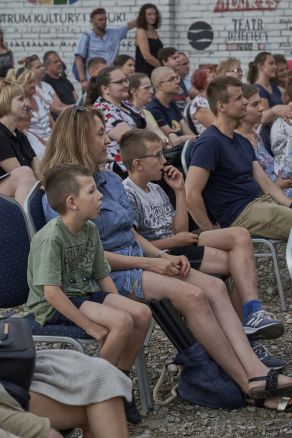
(58, 318)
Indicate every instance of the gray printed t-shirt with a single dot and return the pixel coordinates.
(60, 258)
(153, 212)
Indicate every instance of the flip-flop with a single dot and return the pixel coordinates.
(271, 387)
(283, 404)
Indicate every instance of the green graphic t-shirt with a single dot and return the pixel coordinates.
(60, 258)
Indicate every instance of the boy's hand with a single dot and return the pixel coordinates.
(174, 178)
(185, 238)
(97, 331)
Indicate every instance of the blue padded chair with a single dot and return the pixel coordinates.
(36, 220)
(269, 244)
(34, 210)
(14, 249)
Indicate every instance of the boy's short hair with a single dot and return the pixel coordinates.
(217, 90)
(133, 144)
(95, 61)
(165, 53)
(61, 181)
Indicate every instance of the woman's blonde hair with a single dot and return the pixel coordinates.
(225, 65)
(20, 76)
(8, 90)
(70, 140)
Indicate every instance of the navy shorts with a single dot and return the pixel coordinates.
(58, 318)
(194, 253)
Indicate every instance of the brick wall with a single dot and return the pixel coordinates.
(238, 28)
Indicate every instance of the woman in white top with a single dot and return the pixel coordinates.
(200, 112)
(45, 90)
(41, 122)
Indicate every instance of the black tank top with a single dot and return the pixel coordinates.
(142, 66)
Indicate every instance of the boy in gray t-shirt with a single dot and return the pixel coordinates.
(155, 219)
(68, 273)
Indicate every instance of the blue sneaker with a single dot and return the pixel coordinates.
(263, 325)
(270, 361)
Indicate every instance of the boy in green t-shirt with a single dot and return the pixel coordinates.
(68, 273)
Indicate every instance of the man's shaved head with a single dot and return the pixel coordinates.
(159, 74)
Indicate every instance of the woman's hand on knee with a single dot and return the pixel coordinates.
(174, 266)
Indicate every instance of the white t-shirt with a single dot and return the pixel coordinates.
(40, 122)
(153, 212)
(46, 91)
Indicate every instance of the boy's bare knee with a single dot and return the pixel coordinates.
(124, 323)
(143, 316)
(240, 236)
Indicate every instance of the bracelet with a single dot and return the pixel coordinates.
(163, 251)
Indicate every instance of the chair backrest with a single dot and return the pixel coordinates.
(188, 118)
(289, 254)
(186, 154)
(14, 249)
(34, 210)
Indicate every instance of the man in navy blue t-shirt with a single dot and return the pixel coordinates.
(225, 184)
(164, 110)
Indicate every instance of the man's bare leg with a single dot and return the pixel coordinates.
(236, 242)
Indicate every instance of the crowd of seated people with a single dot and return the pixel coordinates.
(122, 125)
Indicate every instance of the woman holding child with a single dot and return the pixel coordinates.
(79, 137)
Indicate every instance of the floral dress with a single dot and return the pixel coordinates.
(266, 161)
(115, 115)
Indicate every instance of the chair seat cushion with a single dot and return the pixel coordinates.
(56, 330)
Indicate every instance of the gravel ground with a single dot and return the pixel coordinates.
(181, 419)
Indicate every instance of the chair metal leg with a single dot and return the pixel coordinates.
(274, 257)
(278, 278)
(143, 382)
(149, 333)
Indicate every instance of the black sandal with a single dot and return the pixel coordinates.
(271, 388)
(283, 404)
